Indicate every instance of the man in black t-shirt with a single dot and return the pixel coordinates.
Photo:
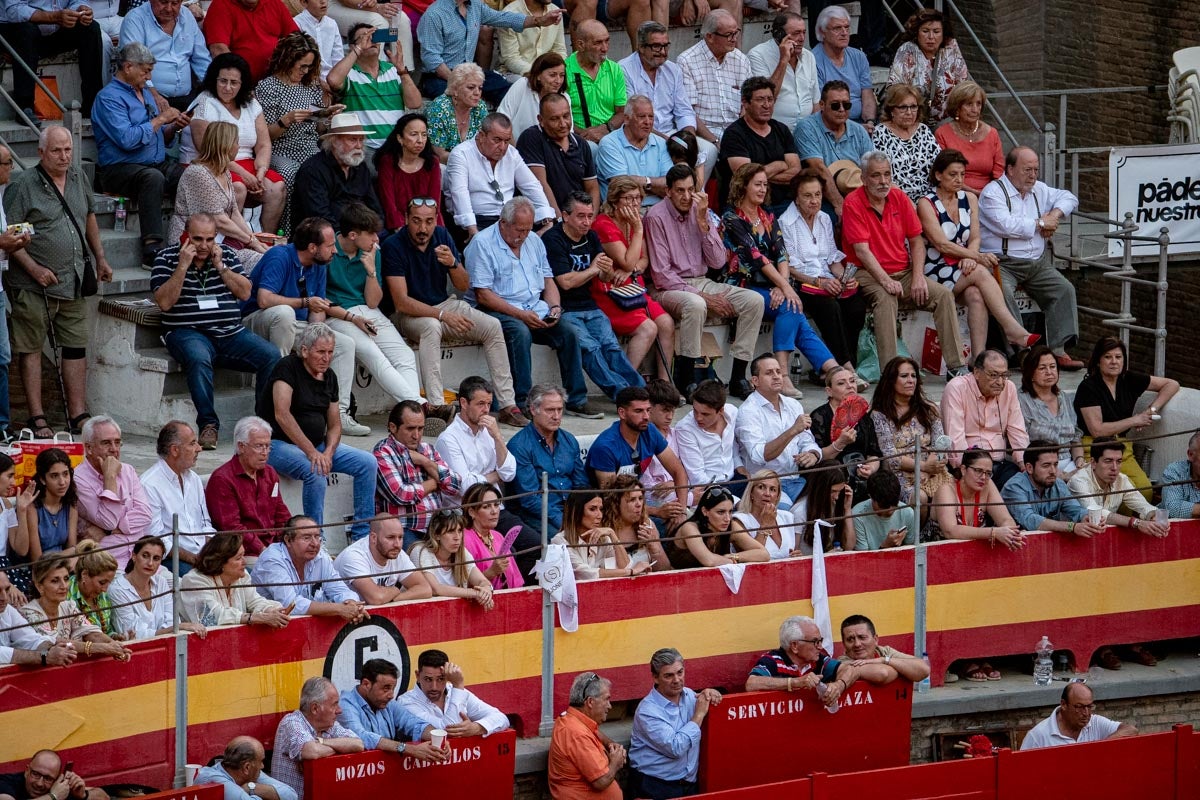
(576, 259)
(418, 263)
(44, 776)
(558, 156)
(756, 138)
(198, 285)
(301, 405)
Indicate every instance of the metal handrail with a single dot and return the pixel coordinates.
(18, 61)
(72, 119)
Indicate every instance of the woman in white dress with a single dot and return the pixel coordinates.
(446, 565)
(770, 526)
(142, 598)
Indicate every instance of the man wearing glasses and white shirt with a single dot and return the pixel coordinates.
(1074, 721)
(482, 174)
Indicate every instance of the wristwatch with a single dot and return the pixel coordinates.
(320, 741)
(887, 659)
(250, 787)
(401, 746)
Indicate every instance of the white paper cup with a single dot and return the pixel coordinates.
(1161, 516)
(438, 737)
(189, 774)
(1094, 515)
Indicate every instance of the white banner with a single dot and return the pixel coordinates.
(1160, 186)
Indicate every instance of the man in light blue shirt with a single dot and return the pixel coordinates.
(44, 28)
(370, 710)
(829, 136)
(664, 749)
(131, 142)
(634, 150)
(836, 60)
(1039, 500)
(511, 280)
(297, 572)
(1181, 483)
(240, 771)
(178, 46)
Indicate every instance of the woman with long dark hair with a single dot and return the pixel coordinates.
(145, 605)
(485, 544)
(445, 563)
(902, 415)
(53, 518)
(407, 168)
(625, 512)
(595, 550)
(712, 537)
(827, 496)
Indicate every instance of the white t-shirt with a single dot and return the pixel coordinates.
(356, 561)
(8, 521)
(210, 109)
(787, 532)
(1047, 734)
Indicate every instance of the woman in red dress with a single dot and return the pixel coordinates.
(619, 226)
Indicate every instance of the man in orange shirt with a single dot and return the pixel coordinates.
(583, 761)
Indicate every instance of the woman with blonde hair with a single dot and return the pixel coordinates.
(95, 570)
(446, 564)
(594, 549)
(759, 512)
(457, 115)
(55, 615)
(206, 187)
(625, 512)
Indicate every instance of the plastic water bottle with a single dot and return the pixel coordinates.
(924, 685)
(823, 690)
(1043, 662)
(119, 216)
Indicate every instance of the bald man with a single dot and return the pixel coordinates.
(1074, 721)
(44, 776)
(240, 771)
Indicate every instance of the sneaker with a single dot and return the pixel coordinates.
(208, 437)
(512, 417)
(585, 411)
(434, 427)
(956, 372)
(352, 427)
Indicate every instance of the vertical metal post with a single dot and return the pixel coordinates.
(919, 579)
(546, 726)
(1160, 335)
(1076, 250)
(1049, 153)
(1129, 228)
(181, 670)
(1062, 137)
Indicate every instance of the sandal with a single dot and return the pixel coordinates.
(75, 426)
(40, 427)
(991, 672)
(974, 672)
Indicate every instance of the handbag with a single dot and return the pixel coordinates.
(628, 297)
(88, 284)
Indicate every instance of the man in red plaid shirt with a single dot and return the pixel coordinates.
(414, 480)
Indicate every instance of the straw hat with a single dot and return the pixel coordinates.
(346, 124)
(847, 175)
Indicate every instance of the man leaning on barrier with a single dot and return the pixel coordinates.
(296, 572)
(441, 699)
(801, 663)
(1074, 721)
(239, 770)
(863, 649)
(311, 732)
(371, 710)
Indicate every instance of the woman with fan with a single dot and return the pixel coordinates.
(843, 426)
(624, 299)
(758, 260)
(901, 416)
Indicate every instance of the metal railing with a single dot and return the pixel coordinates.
(1123, 319)
(72, 118)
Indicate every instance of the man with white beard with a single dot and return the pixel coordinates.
(336, 176)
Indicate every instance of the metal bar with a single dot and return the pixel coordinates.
(1126, 289)
(1008, 87)
(1125, 327)
(1099, 312)
(1046, 162)
(919, 570)
(1000, 121)
(1062, 136)
(546, 726)
(1092, 90)
(1160, 344)
(17, 60)
(181, 697)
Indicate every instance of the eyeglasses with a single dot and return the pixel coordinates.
(425, 201)
(8, 163)
(495, 186)
(994, 376)
(33, 773)
(983, 473)
(658, 48)
(729, 37)
(837, 105)
(265, 447)
(814, 642)
(1088, 707)
(905, 108)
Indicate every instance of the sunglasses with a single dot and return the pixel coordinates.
(495, 187)
(448, 513)
(837, 105)
(423, 201)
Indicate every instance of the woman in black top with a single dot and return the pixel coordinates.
(1105, 400)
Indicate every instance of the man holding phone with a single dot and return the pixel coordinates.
(44, 776)
(378, 90)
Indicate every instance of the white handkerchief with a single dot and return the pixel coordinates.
(732, 573)
(557, 579)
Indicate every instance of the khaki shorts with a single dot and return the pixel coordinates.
(29, 321)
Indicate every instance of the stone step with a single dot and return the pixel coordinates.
(230, 404)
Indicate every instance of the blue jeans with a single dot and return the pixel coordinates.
(520, 338)
(790, 490)
(289, 460)
(199, 353)
(792, 332)
(5, 360)
(603, 359)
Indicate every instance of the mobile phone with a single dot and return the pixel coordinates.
(848, 273)
(183, 237)
(384, 35)
(903, 529)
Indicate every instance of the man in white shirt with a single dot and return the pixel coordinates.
(482, 174)
(440, 699)
(713, 72)
(772, 431)
(1073, 721)
(1018, 215)
(1102, 485)
(705, 438)
(316, 22)
(649, 71)
(173, 487)
(791, 67)
(475, 450)
(376, 568)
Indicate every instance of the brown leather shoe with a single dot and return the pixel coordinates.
(208, 437)
(512, 417)
(444, 412)
(1068, 364)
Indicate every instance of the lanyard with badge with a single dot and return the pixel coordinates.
(205, 301)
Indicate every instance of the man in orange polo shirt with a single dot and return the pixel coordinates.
(881, 235)
(583, 761)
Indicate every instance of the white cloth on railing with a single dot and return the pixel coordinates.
(820, 589)
(557, 579)
(732, 573)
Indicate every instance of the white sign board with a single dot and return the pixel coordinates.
(1160, 186)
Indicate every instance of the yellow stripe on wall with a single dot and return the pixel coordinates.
(1083, 593)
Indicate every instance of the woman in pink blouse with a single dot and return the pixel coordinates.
(482, 505)
(407, 168)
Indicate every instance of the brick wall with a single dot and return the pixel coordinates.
(51, 396)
